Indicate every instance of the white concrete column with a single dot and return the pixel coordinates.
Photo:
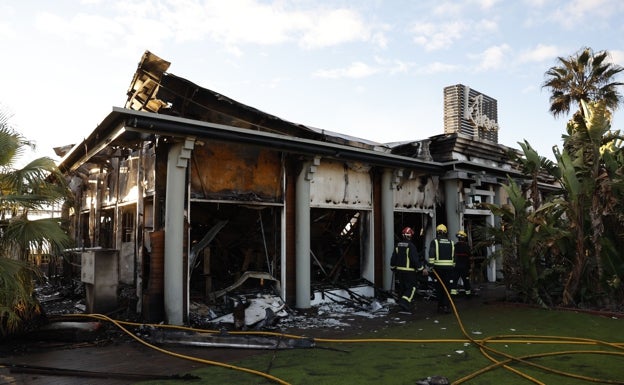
(451, 202)
(387, 223)
(174, 274)
(492, 268)
(302, 238)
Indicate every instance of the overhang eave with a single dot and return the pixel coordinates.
(122, 124)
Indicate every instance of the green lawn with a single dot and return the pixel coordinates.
(437, 346)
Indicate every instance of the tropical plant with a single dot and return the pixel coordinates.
(567, 242)
(591, 177)
(527, 241)
(537, 168)
(590, 173)
(585, 76)
(23, 191)
(17, 303)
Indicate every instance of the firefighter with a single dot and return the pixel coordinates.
(406, 263)
(442, 259)
(463, 259)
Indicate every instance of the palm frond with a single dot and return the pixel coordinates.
(26, 236)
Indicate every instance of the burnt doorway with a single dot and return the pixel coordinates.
(418, 222)
(474, 226)
(233, 239)
(106, 234)
(338, 244)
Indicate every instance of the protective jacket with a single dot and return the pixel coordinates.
(406, 258)
(442, 253)
(462, 254)
(442, 258)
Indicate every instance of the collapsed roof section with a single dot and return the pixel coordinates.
(160, 104)
(153, 89)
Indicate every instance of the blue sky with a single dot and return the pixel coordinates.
(368, 68)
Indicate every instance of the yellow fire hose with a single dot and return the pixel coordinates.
(483, 345)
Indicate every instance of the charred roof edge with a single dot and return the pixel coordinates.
(122, 119)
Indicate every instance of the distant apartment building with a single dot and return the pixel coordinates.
(471, 113)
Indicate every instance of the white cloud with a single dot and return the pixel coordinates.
(392, 66)
(6, 31)
(486, 4)
(234, 50)
(457, 8)
(355, 71)
(275, 83)
(485, 26)
(96, 31)
(379, 39)
(575, 11)
(540, 53)
(53, 25)
(399, 67)
(492, 58)
(536, 3)
(334, 27)
(435, 36)
(7, 17)
(617, 57)
(238, 22)
(529, 89)
(126, 33)
(359, 70)
(234, 23)
(448, 8)
(231, 24)
(438, 67)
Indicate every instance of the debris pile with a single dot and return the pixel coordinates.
(248, 307)
(240, 312)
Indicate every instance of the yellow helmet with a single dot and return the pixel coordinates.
(441, 229)
(462, 234)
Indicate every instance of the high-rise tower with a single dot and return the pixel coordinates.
(470, 113)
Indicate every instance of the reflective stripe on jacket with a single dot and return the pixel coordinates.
(405, 257)
(442, 252)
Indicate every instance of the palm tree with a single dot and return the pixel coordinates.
(591, 178)
(590, 169)
(534, 166)
(23, 191)
(586, 76)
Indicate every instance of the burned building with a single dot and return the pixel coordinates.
(193, 192)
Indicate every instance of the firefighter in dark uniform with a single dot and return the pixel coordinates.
(442, 259)
(407, 264)
(463, 258)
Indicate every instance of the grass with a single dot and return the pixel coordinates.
(436, 346)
